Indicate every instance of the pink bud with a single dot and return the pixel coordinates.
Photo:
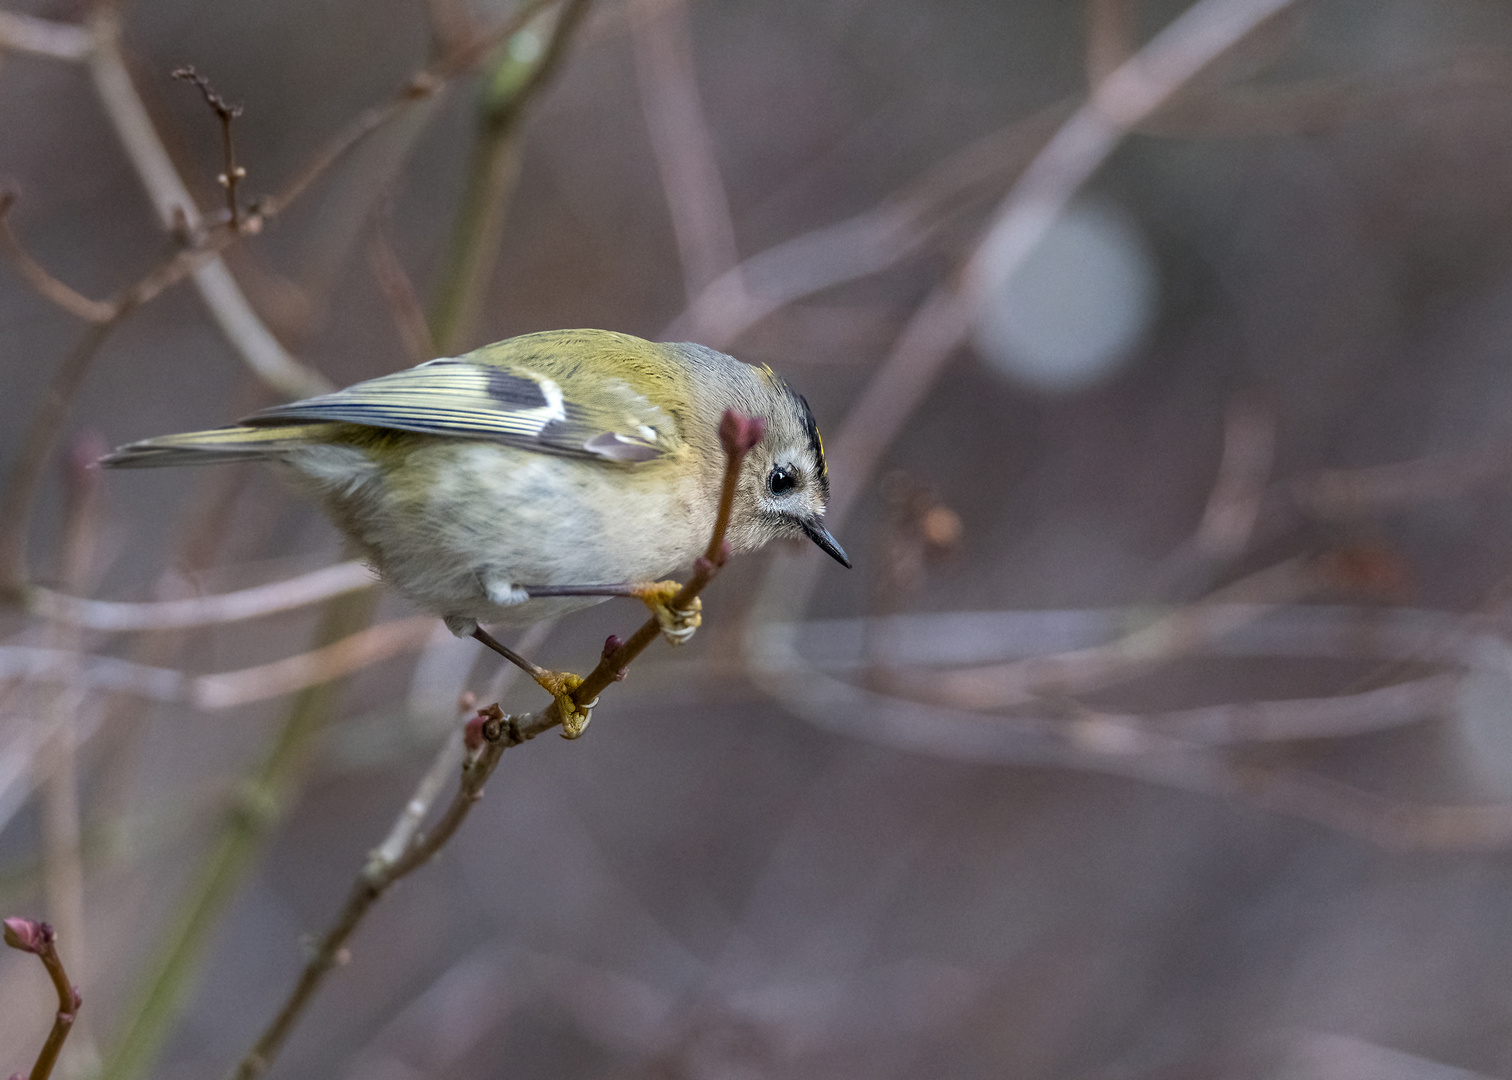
(738, 433)
(472, 733)
(26, 935)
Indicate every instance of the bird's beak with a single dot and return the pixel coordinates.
(827, 544)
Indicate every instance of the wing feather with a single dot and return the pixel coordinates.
(455, 397)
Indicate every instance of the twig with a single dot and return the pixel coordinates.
(223, 690)
(247, 824)
(1249, 447)
(34, 274)
(1341, 494)
(682, 143)
(737, 435)
(234, 174)
(177, 214)
(862, 245)
(277, 596)
(399, 293)
(421, 85)
(487, 737)
(43, 37)
(493, 168)
(313, 668)
(1110, 37)
(57, 764)
(38, 939)
(36, 444)
(492, 733)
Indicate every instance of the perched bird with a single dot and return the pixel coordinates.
(478, 485)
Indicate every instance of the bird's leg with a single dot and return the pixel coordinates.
(559, 684)
(677, 624)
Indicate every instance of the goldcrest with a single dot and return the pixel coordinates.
(565, 458)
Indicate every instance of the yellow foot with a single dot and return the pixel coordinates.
(560, 685)
(677, 624)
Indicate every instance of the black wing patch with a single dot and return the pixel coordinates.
(454, 397)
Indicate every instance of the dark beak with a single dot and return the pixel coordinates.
(821, 536)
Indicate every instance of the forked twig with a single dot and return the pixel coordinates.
(38, 938)
(234, 174)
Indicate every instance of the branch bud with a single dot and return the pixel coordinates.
(738, 433)
(27, 935)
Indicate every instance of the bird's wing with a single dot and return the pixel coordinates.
(455, 397)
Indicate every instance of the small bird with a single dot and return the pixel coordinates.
(484, 486)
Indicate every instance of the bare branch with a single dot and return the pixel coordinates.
(343, 657)
(253, 603)
(35, 275)
(177, 213)
(1349, 493)
(682, 143)
(1110, 37)
(1249, 444)
(43, 37)
(1177, 634)
(39, 939)
(399, 293)
(233, 174)
(418, 87)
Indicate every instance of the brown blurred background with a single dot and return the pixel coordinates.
(1249, 388)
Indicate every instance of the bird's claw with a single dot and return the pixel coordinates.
(561, 685)
(677, 624)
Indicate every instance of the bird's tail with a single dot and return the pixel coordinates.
(239, 443)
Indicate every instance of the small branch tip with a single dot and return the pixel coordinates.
(738, 433)
(28, 935)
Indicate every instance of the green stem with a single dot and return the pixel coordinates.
(523, 66)
(257, 810)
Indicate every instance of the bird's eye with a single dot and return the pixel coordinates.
(782, 480)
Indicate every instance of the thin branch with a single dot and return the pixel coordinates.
(1111, 37)
(38, 938)
(254, 603)
(57, 760)
(1233, 506)
(34, 274)
(488, 735)
(421, 85)
(43, 37)
(738, 435)
(868, 243)
(682, 143)
(36, 445)
(178, 214)
(1080, 671)
(510, 85)
(226, 113)
(402, 299)
(494, 733)
(262, 799)
(1342, 494)
(314, 668)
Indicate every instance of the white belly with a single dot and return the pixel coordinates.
(475, 524)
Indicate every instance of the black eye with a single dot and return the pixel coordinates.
(782, 480)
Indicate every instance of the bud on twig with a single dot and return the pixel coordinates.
(739, 433)
(27, 935)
